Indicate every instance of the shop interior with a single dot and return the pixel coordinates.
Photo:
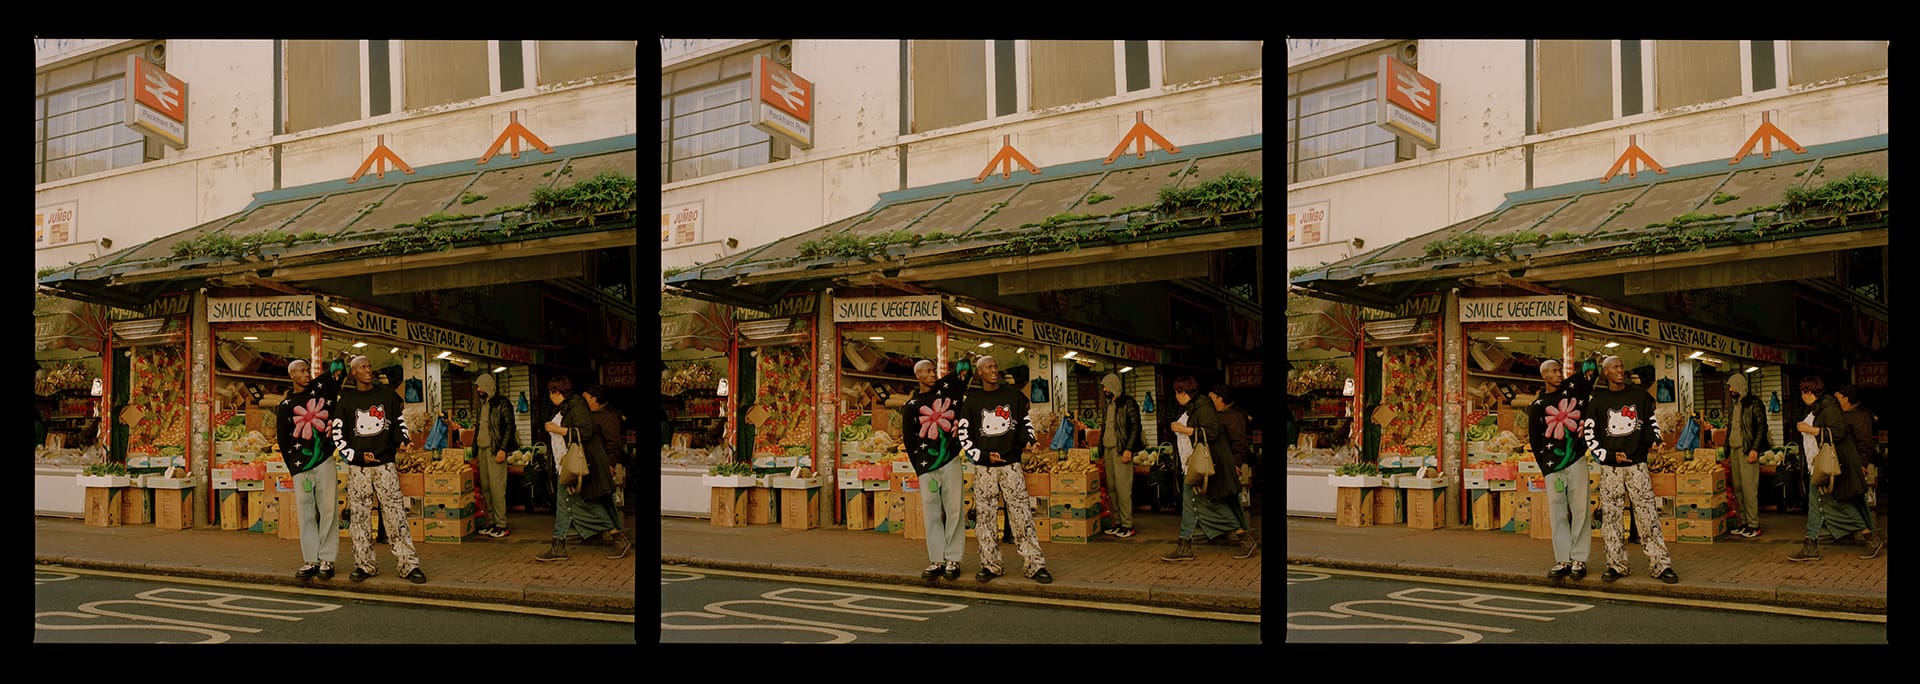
(67, 410)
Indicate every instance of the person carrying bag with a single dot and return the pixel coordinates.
(1826, 464)
(573, 465)
(1199, 461)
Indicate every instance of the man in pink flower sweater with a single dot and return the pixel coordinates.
(927, 420)
(301, 424)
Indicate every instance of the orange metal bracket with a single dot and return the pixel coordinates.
(1765, 136)
(1631, 159)
(1005, 159)
(382, 155)
(1138, 136)
(515, 133)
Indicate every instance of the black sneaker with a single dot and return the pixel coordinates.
(1579, 571)
(1668, 576)
(326, 571)
(361, 574)
(1558, 571)
(986, 574)
(953, 570)
(307, 571)
(1612, 574)
(1042, 576)
(932, 571)
(418, 576)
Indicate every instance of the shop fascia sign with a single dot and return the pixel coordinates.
(1409, 103)
(1674, 333)
(156, 102)
(791, 306)
(253, 309)
(1417, 306)
(1513, 309)
(1047, 333)
(432, 336)
(864, 310)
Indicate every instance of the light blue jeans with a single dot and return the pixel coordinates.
(941, 498)
(314, 500)
(1567, 506)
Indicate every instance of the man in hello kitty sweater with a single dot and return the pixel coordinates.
(1620, 430)
(367, 429)
(993, 428)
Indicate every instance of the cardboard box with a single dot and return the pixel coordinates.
(447, 531)
(874, 472)
(223, 478)
(1670, 529)
(761, 506)
(250, 485)
(1389, 506)
(1072, 531)
(1042, 530)
(269, 513)
(1509, 507)
(417, 506)
(136, 506)
(448, 484)
(728, 506)
(173, 509)
(103, 506)
(1425, 509)
(800, 508)
(289, 516)
(1039, 484)
(1503, 485)
(1080, 454)
(1486, 509)
(413, 484)
(1073, 483)
(1473, 478)
(1699, 507)
(1522, 513)
(1709, 483)
(859, 509)
(446, 507)
(1355, 506)
(847, 478)
(1540, 526)
(1695, 531)
(877, 485)
(914, 524)
(416, 528)
(1664, 484)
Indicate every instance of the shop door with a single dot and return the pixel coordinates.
(1370, 436)
(748, 389)
(118, 436)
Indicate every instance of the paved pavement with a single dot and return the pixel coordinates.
(1732, 569)
(481, 569)
(1117, 570)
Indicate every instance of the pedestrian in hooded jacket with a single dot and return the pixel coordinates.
(301, 423)
(495, 436)
(1746, 438)
(1553, 426)
(1120, 439)
(368, 429)
(1620, 429)
(927, 427)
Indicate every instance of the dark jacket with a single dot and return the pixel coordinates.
(1225, 482)
(506, 434)
(306, 445)
(1127, 432)
(994, 421)
(1752, 414)
(1620, 428)
(1559, 445)
(1865, 443)
(931, 443)
(1239, 434)
(1832, 422)
(599, 479)
(368, 427)
(613, 439)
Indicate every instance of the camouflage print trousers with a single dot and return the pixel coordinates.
(364, 484)
(1618, 487)
(991, 486)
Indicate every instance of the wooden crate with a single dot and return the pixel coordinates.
(800, 508)
(233, 509)
(883, 515)
(1522, 512)
(1485, 505)
(1541, 525)
(136, 506)
(255, 509)
(1509, 506)
(173, 509)
(729, 506)
(104, 506)
(270, 513)
(762, 508)
(859, 509)
(417, 528)
(1355, 506)
(1670, 529)
(914, 523)
(289, 516)
(1425, 509)
(1389, 506)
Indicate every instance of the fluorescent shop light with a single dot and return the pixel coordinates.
(1128, 369)
(1068, 355)
(444, 354)
(358, 345)
(964, 309)
(1695, 355)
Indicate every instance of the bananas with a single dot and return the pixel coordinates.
(421, 462)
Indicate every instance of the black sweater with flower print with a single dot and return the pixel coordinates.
(927, 421)
(303, 421)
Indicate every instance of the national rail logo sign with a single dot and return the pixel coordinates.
(782, 102)
(156, 102)
(1409, 103)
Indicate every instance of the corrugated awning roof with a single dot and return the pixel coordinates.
(963, 221)
(341, 220)
(1590, 221)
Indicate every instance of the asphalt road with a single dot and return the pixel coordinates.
(1333, 606)
(702, 606)
(83, 606)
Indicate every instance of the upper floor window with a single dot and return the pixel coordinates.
(79, 120)
(1332, 115)
(957, 82)
(705, 119)
(1582, 82)
(326, 82)
(1812, 61)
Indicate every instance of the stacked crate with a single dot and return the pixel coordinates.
(1700, 507)
(1073, 503)
(448, 507)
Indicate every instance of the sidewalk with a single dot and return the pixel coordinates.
(1112, 570)
(1731, 569)
(481, 569)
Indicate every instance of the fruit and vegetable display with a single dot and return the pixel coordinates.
(1411, 397)
(733, 468)
(106, 469)
(156, 411)
(1057, 462)
(784, 392)
(66, 375)
(1691, 461)
(1366, 469)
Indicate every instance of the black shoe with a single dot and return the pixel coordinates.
(953, 570)
(418, 576)
(1579, 571)
(985, 575)
(1558, 571)
(306, 572)
(326, 571)
(361, 574)
(933, 571)
(1668, 576)
(1612, 574)
(1042, 576)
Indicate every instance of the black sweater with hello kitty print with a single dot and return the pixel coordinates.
(1619, 426)
(994, 421)
(367, 426)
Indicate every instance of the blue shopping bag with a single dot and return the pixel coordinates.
(1063, 437)
(437, 438)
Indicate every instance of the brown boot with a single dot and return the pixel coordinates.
(621, 545)
(1874, 545)
(1809, 551)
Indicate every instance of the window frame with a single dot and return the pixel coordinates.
(149, 149)
(395, 67)
(1402, 149)
(1648, 87)
(1023, 82)
(776, 151)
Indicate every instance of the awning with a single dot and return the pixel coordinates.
(457, 212)
(690, 325)
(1314, 323)
(1695, 215)
(1104, 212)
(66, 324)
